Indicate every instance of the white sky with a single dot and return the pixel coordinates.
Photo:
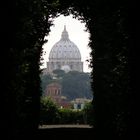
(77, 34)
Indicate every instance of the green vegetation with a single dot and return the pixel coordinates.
(111, 28)
(74, 84)
(88, 113)
(50, 113)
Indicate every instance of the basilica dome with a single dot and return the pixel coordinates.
(65, 55)
(64, 49)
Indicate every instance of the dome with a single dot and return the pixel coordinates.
(64, 55)
(64, 49)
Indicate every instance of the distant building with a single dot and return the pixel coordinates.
(53, 91)
(79, 103)
(64, 55)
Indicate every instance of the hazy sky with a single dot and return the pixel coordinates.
(77, 34)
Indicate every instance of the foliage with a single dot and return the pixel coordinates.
(74, 84)
(110, 39)
(32, 24)
(88, 113)
(51, 114)
(49, 111)
(45, 80)
(69, 116)
(59, 73)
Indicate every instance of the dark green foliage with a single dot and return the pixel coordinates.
(59, 73)
(110, 40)
(88, 113)
(49, 112)
(45, 80)
(74, 84)
(32, 24)
(69, 116)
(111, 72)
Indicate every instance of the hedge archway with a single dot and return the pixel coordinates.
(107, 22)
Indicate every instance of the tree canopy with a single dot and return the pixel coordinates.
(74, 84)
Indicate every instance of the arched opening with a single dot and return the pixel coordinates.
(72, 55)
(107, 22)
(77, 32)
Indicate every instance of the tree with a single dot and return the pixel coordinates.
(76, 85)
(45, 80)
(32, 24)
(49, 111)
(60, 73)
(88, 113)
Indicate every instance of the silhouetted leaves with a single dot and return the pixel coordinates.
(107, 22)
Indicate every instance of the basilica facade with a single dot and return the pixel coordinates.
(64, 55)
